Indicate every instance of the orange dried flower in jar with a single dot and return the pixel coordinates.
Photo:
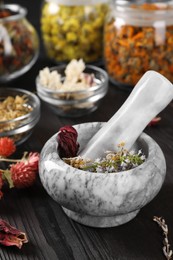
(139, 38)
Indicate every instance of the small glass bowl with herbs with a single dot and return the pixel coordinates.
(19, 113)
(72, 90)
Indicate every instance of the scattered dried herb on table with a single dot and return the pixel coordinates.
(166, 246)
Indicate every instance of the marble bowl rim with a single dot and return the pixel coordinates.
(149, 156)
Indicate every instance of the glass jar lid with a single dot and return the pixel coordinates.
(17, 12)
(77, 2)
(143, 13)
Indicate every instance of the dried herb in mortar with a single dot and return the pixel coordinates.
(122, 160)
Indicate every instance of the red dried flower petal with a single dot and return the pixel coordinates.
(1, 194)
(67, 142)
(154, 121)
(1, 180)
(7, 146)
(10, 236)
(33, 159)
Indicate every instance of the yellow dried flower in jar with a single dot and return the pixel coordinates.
(73, 29)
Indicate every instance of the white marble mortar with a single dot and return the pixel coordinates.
(102, 199)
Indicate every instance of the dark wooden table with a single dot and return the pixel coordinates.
(52, 235)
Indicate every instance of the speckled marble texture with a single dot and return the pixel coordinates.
(97, 199)
(152, 94)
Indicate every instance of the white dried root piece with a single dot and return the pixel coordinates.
(73, 70)
(50, 79)
(75, 78)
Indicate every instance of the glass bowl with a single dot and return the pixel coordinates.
(20, 128)
(75, 103)
(19, 43)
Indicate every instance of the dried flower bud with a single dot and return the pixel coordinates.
(7, 146)
(32, 160)
(67, 142)
(23, 174)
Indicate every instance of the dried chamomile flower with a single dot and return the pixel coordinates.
(79, 29)
(11, 108)
(76, 162)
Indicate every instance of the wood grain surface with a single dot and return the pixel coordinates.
(52, 235)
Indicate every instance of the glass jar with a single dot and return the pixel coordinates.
(138, 36)
(19, 45)
(73, 29)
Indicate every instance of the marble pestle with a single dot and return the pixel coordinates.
(150, 96)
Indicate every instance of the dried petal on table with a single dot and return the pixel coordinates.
(154, 121)
(10, 236)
